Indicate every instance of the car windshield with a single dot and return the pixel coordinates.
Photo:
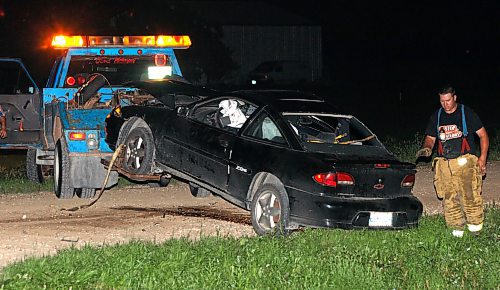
(117, 69)
(331, 133)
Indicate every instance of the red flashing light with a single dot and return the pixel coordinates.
(77, 136)
(70, 81)
(382, 165)
(408, 181)
(333, 179)
(120, 51)
(139, 51)
(102, 51)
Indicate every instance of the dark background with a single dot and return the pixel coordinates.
(383, 60)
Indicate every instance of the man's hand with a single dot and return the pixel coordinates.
(3, 133)
(481, 163)
(424, 152)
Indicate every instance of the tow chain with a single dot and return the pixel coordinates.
(115, 155)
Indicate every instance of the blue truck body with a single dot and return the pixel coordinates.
(54, 119)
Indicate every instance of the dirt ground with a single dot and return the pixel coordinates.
(35, 224)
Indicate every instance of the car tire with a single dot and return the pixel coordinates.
(85, 192)
(270, 211)
(33, 171)
(62, 185)
(199, 192)
(139, 152)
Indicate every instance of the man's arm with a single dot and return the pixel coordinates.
(426, 150)
(3, 131)
(429, 142)
(484, 142)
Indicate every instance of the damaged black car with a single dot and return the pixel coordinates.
(288, 157)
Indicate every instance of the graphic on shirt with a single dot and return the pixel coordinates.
(448, 132)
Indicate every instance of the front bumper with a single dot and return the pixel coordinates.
(334, 212)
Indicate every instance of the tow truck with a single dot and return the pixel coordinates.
(62, 125)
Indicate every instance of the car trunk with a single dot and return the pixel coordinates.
(374, 178)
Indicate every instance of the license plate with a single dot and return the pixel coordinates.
(380, 219)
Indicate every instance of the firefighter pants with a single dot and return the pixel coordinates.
(458, 182)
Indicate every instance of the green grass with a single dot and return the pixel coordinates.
(13, 180)
(427, 257)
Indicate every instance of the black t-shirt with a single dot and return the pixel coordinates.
(451, 131)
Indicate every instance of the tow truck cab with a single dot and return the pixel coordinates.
(68, 132)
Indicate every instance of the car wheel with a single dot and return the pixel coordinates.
(139, 151)
(85, 192)
(270, 211)
(33, 170)
(62, 185)
(199, 192)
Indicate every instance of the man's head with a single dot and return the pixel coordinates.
(448, 99)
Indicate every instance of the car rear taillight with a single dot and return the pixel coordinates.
(333, 179)
(382, 165)
(408, 181)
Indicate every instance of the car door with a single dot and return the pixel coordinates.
(20, 101)
(262, 146)
(206, 142)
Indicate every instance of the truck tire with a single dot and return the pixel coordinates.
(91, 87)
(199, 192)
(62, 185)
(139, 152)
(33, 170)
(85, 192)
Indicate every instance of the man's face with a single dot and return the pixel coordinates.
(448, 102)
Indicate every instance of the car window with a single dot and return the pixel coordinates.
(229, 114)
(317, 132)
(265, 128)
(116, 69)
(14, 79)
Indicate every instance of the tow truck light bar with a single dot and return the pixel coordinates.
(175, 41)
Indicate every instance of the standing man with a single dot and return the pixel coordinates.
(458, 169)
(3, 124)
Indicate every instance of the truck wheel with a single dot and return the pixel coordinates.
(139, 151)
(199, 192)
(33, 171)
(62, 186)
(270, 211)
(85, 192)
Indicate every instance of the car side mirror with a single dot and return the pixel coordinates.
(182, 111)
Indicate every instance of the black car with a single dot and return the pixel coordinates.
(287, 156)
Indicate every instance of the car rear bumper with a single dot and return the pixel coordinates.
(330, 212)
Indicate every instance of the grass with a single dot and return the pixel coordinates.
(13, 180)
(427, 257)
